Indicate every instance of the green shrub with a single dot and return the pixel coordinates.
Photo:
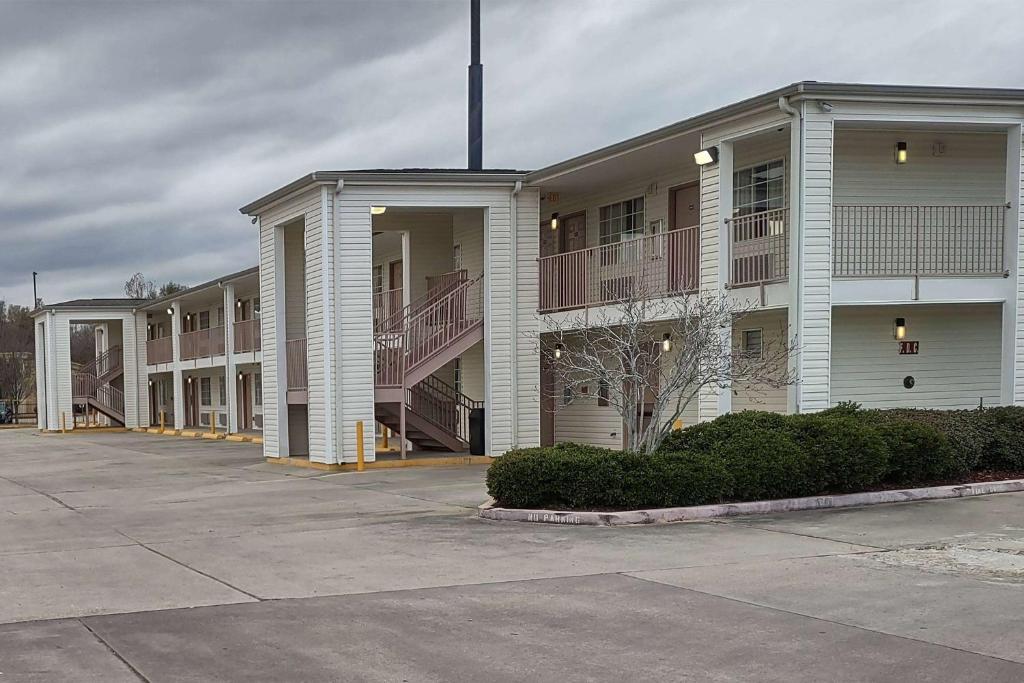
(918, 453)
(848, 454)
(967, 431)
(676, 480)
(1004, 445)
(766, 463)
(705, 437)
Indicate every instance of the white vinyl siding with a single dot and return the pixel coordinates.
(970, 170)
(754, 334)
(958, 364)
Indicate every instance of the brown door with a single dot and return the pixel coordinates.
(395, 278)
(684, 247)
(574, 235)
(245, 404)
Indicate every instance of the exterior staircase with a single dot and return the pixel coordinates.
(91, 384)
(413, 344)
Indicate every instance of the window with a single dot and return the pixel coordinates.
(622, 221)
(220, 316)
(602, 393)
(378, 279)
(457, 373)
(752, 343)
(222, 394)
(457, 257)
(204, 320)
(567, 395)
(255, 307)
(759, 188)
(204, 391)
(258, 382)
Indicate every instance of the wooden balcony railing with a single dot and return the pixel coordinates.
(295, 355)
(881, 241)
(759, 248)
(247, 336)
(660, 265)
(159, 350)
(202, 343)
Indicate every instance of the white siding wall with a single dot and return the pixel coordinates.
(468, 230)
(274, 412)
(958, 363)
(773, 326)
(971, 171)
(526, 329)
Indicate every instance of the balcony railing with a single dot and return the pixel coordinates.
(759, 248)
(295, 358)
(660, 265)
(386, 306)
(202, 343)
(881, 241)
(159, 350)
(247, 336)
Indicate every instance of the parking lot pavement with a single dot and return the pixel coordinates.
(121, 552)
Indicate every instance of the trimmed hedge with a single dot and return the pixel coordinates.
(755, 455)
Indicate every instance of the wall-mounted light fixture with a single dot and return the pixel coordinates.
(554, 221)
(238, 303)
(901, 152)
(377, 210)
(900, 330)
(190, 379)
(706, 156)
(150, 382)
(558, 351)
(239, 377)
(170, 311)
(666, 342)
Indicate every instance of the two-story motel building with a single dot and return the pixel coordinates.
(878, 226)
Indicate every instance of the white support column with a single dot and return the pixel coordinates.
(39, 327)
(815, 324)
(61, 389)
(716, 184)
(277, 401)
(354, 354)
(176, 373)
(1012, 389)
(795, 180)
(230, 381)
(406, 269)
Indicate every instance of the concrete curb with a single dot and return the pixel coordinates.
(664, 515)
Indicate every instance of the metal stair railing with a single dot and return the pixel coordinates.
(439, 403)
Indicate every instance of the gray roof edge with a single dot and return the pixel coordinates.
(148, 304)
(383, 176)
(803, 89)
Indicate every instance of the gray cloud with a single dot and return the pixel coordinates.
(132, 131)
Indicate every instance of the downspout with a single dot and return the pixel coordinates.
(796, 233)
(514, 295)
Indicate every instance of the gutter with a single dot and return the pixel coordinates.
(796, 232)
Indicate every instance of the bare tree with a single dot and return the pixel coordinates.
(138, 287)
(652, 357)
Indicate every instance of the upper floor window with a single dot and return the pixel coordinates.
(457, 257)
(204, 320)
(622, 221)
(760, 187)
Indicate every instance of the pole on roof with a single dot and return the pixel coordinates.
(476, 91)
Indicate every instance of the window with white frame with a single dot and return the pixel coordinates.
(222, 392)
(457, 374)
(205, 397)
(752, 343)
(758, 188)
(621, 221)
(457, 257)
(378, 279)
(220, 316)
(204, 320)
(258, 381)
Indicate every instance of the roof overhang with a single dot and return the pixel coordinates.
(382, 177)
(215, 283)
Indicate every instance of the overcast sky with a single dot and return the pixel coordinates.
(131, 132)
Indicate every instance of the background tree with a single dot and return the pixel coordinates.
(171, 287)
(17, 346)
(138, 287)
(651, 358)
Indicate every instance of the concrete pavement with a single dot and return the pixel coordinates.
(139, 557)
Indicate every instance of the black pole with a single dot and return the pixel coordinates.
(35, 295)
(476, 91)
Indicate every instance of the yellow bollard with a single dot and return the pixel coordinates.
(384, 438)
(213, 421)
(163, 418)
(360, 458)
(63, 423)
(677, 425)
